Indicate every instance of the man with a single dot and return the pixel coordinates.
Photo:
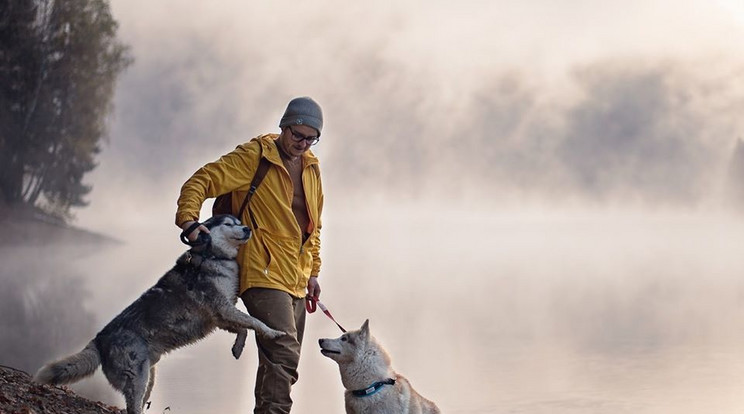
(279, 266)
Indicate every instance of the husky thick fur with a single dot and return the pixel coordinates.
(372, 387)
(194, 298)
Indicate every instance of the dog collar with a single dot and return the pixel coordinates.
(196, 259)
(372, 389)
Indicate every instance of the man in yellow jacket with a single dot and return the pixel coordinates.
(280, 264)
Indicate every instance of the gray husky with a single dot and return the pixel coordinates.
(194, 298)
(372, 387)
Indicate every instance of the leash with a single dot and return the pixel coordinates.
(312, 303)
(201, 240)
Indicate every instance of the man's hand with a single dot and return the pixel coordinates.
(194, 234)
(313, 287)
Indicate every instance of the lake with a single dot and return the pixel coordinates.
(509, 312)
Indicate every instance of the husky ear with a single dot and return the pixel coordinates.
(365, 329)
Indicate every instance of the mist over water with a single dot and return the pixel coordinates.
(529, 202)
(556, 312)
(531, 311)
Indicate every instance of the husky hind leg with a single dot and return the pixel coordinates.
(127, 366)
(136, 387)
(150, 384)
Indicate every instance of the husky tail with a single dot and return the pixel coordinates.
(70, 369)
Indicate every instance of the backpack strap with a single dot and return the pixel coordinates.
(263, 168)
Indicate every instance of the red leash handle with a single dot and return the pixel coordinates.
(311, 305)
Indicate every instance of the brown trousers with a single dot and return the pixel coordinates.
(277, 358)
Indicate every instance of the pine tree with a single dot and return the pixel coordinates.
(58, 67)
(19, 62)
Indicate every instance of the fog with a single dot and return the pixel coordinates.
(536, 205)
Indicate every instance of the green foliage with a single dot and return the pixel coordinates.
(59, 61)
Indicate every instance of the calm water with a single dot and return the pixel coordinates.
(506, 313)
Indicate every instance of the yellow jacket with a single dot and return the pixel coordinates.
(275, 256)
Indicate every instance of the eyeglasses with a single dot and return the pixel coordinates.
(299, 137)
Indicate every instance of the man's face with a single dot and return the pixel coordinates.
(297, 139)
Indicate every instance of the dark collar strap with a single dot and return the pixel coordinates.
(196, 259)
(372, 389)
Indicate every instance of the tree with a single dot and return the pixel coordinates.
(59, 61)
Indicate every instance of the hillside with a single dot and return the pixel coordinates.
(20, 395)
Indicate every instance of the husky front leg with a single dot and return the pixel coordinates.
(240, 336)
(232, 319)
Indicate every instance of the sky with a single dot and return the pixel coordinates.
(520, 100)
(531, 192)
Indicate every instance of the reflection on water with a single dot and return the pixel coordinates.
(514, 313)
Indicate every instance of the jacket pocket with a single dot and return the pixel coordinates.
(282, 267)
(258, 258)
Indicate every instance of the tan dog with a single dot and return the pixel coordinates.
(371, 384)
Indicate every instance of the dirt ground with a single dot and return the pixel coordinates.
(20, 395)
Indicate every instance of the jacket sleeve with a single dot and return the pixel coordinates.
(316, 234)
(229, 173)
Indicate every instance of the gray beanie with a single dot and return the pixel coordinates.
(303, 111)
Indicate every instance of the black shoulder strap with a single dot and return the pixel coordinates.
(263, 168)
